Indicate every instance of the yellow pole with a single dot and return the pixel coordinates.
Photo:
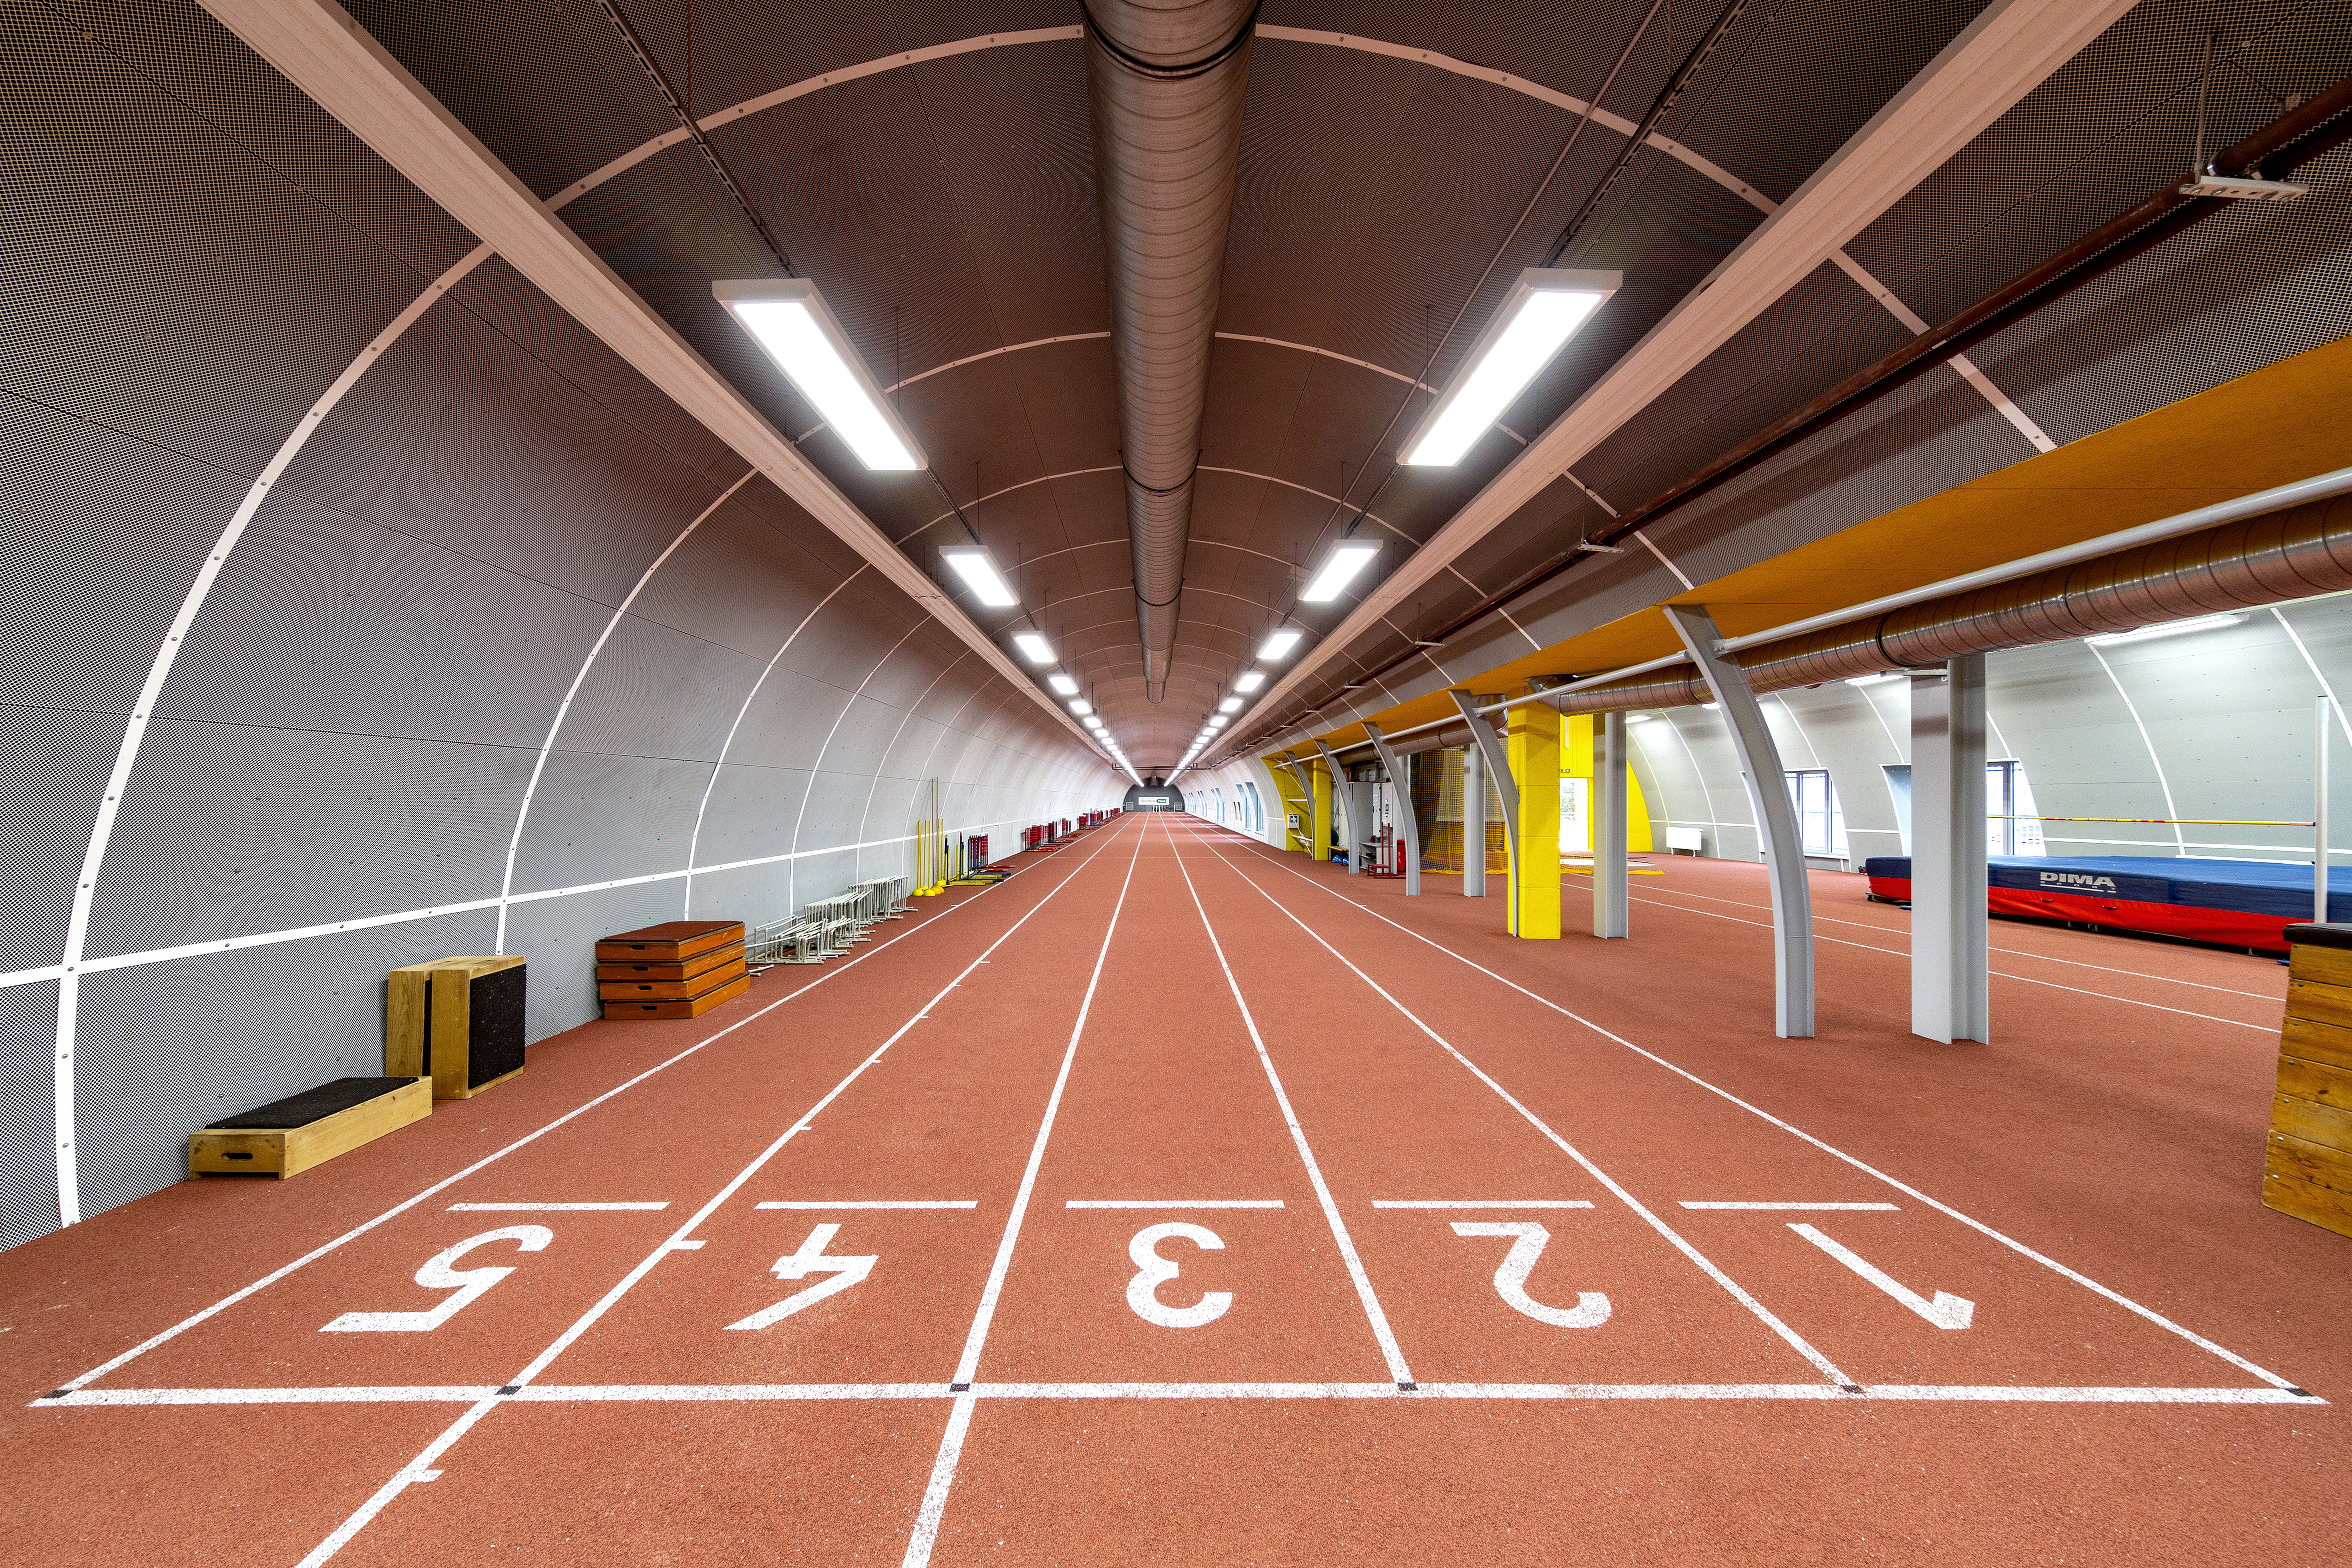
(1318, 810)
(1533, 738)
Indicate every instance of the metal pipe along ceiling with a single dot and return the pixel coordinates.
(2242, 565)
(1168, 82)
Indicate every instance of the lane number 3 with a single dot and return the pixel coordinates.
(437, 1275)
(1592, 1308)
(1153, 1271)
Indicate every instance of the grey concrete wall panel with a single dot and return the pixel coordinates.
(598, 816)
(658, 691)
(29, 1163)
(227, 830)
(53, 767)
(165, 1048)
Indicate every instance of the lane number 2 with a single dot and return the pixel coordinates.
(1153, 1271)
(811, 1259)
(1592, 1308)
(437, 1275)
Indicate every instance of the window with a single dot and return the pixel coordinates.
(1820, 823)
(2011, 827)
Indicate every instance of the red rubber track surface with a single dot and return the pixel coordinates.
(2047, 1320)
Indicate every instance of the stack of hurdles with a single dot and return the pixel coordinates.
(679, 969)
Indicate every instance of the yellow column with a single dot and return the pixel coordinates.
(1533, 738)
(1318, 811)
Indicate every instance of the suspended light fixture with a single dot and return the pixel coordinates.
(2168, 629)
(1034, 647)
(1279, 644)
(1542, 312)
(1349, 557)
(1251, 679)
(1230, 705)
(1063, 684)
(788, 317)
(1081, 706)
(979, 575)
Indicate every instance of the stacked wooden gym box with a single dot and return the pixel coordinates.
(681, 969)
(2308, 1171)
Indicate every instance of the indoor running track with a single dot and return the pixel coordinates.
(1171, 1201)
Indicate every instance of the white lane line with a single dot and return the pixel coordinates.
(2150, 1315)
(553, 1208)
(943, 1467)
(697, 1393)
(1391, 1352)
(1997, 975)
(1764, 1314)
(1481, 1204)
(677, 1242)
(874, 1203)
(1810, 1207)
(1174, 1204)
(1698, 1204)
(225, 1302)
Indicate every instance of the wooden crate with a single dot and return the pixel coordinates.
(459, 1021)
(701, 964)
(2308, 1165)
(672, 942)
(666, 990)
(684, 1007)
(288, 1136)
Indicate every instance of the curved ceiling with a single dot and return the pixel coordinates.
(932, 169)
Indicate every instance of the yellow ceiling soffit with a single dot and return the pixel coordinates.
(2285, 422)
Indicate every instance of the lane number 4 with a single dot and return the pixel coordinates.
(1592, 1308)
(811, 1259)
(437, 1275)
(1153, 1271)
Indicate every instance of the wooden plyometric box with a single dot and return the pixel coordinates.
(682, 1006)
(696, 984)
(288, 1136)
(688, 968)
(459, 1021)
(2307, 1168)
(672, 942)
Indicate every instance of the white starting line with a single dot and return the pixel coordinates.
(559, 1394)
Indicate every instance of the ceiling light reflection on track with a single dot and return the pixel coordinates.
(979, 575)
(788, 319)
(1544, 309)
(1347, 558)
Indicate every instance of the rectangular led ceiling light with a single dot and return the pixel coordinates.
(1034, 647)
(1279, 644)
(1063, 684)
(1349, 557)
(1081, 706)
(1230, 705)
(979, 573)
(1218, 723)
(788, 317)
(1251, 680)
(1534, 323)
(2169, 629)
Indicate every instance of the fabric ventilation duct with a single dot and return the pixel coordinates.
(2244, 565)
(1167, 81)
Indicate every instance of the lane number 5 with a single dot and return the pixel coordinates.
(1592, 1308)
(436, 1275)
(1143, 1291)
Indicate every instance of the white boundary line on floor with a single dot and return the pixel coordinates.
(1763, 1314)
(2159, 1319)
(1391, 1352)
(749, 1392)
(1481, 1204)
(1997, 975)
(1174, 1204)
(418, 1469)
(943, 1466)
(2012, 951)
(446, 1182)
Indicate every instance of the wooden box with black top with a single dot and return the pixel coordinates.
(459, 1021)
(679, 969)
(288, 1136)
(2308, 1169)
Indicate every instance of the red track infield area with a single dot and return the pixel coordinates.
(1178, 1201)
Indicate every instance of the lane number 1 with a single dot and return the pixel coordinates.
(811, 1259)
